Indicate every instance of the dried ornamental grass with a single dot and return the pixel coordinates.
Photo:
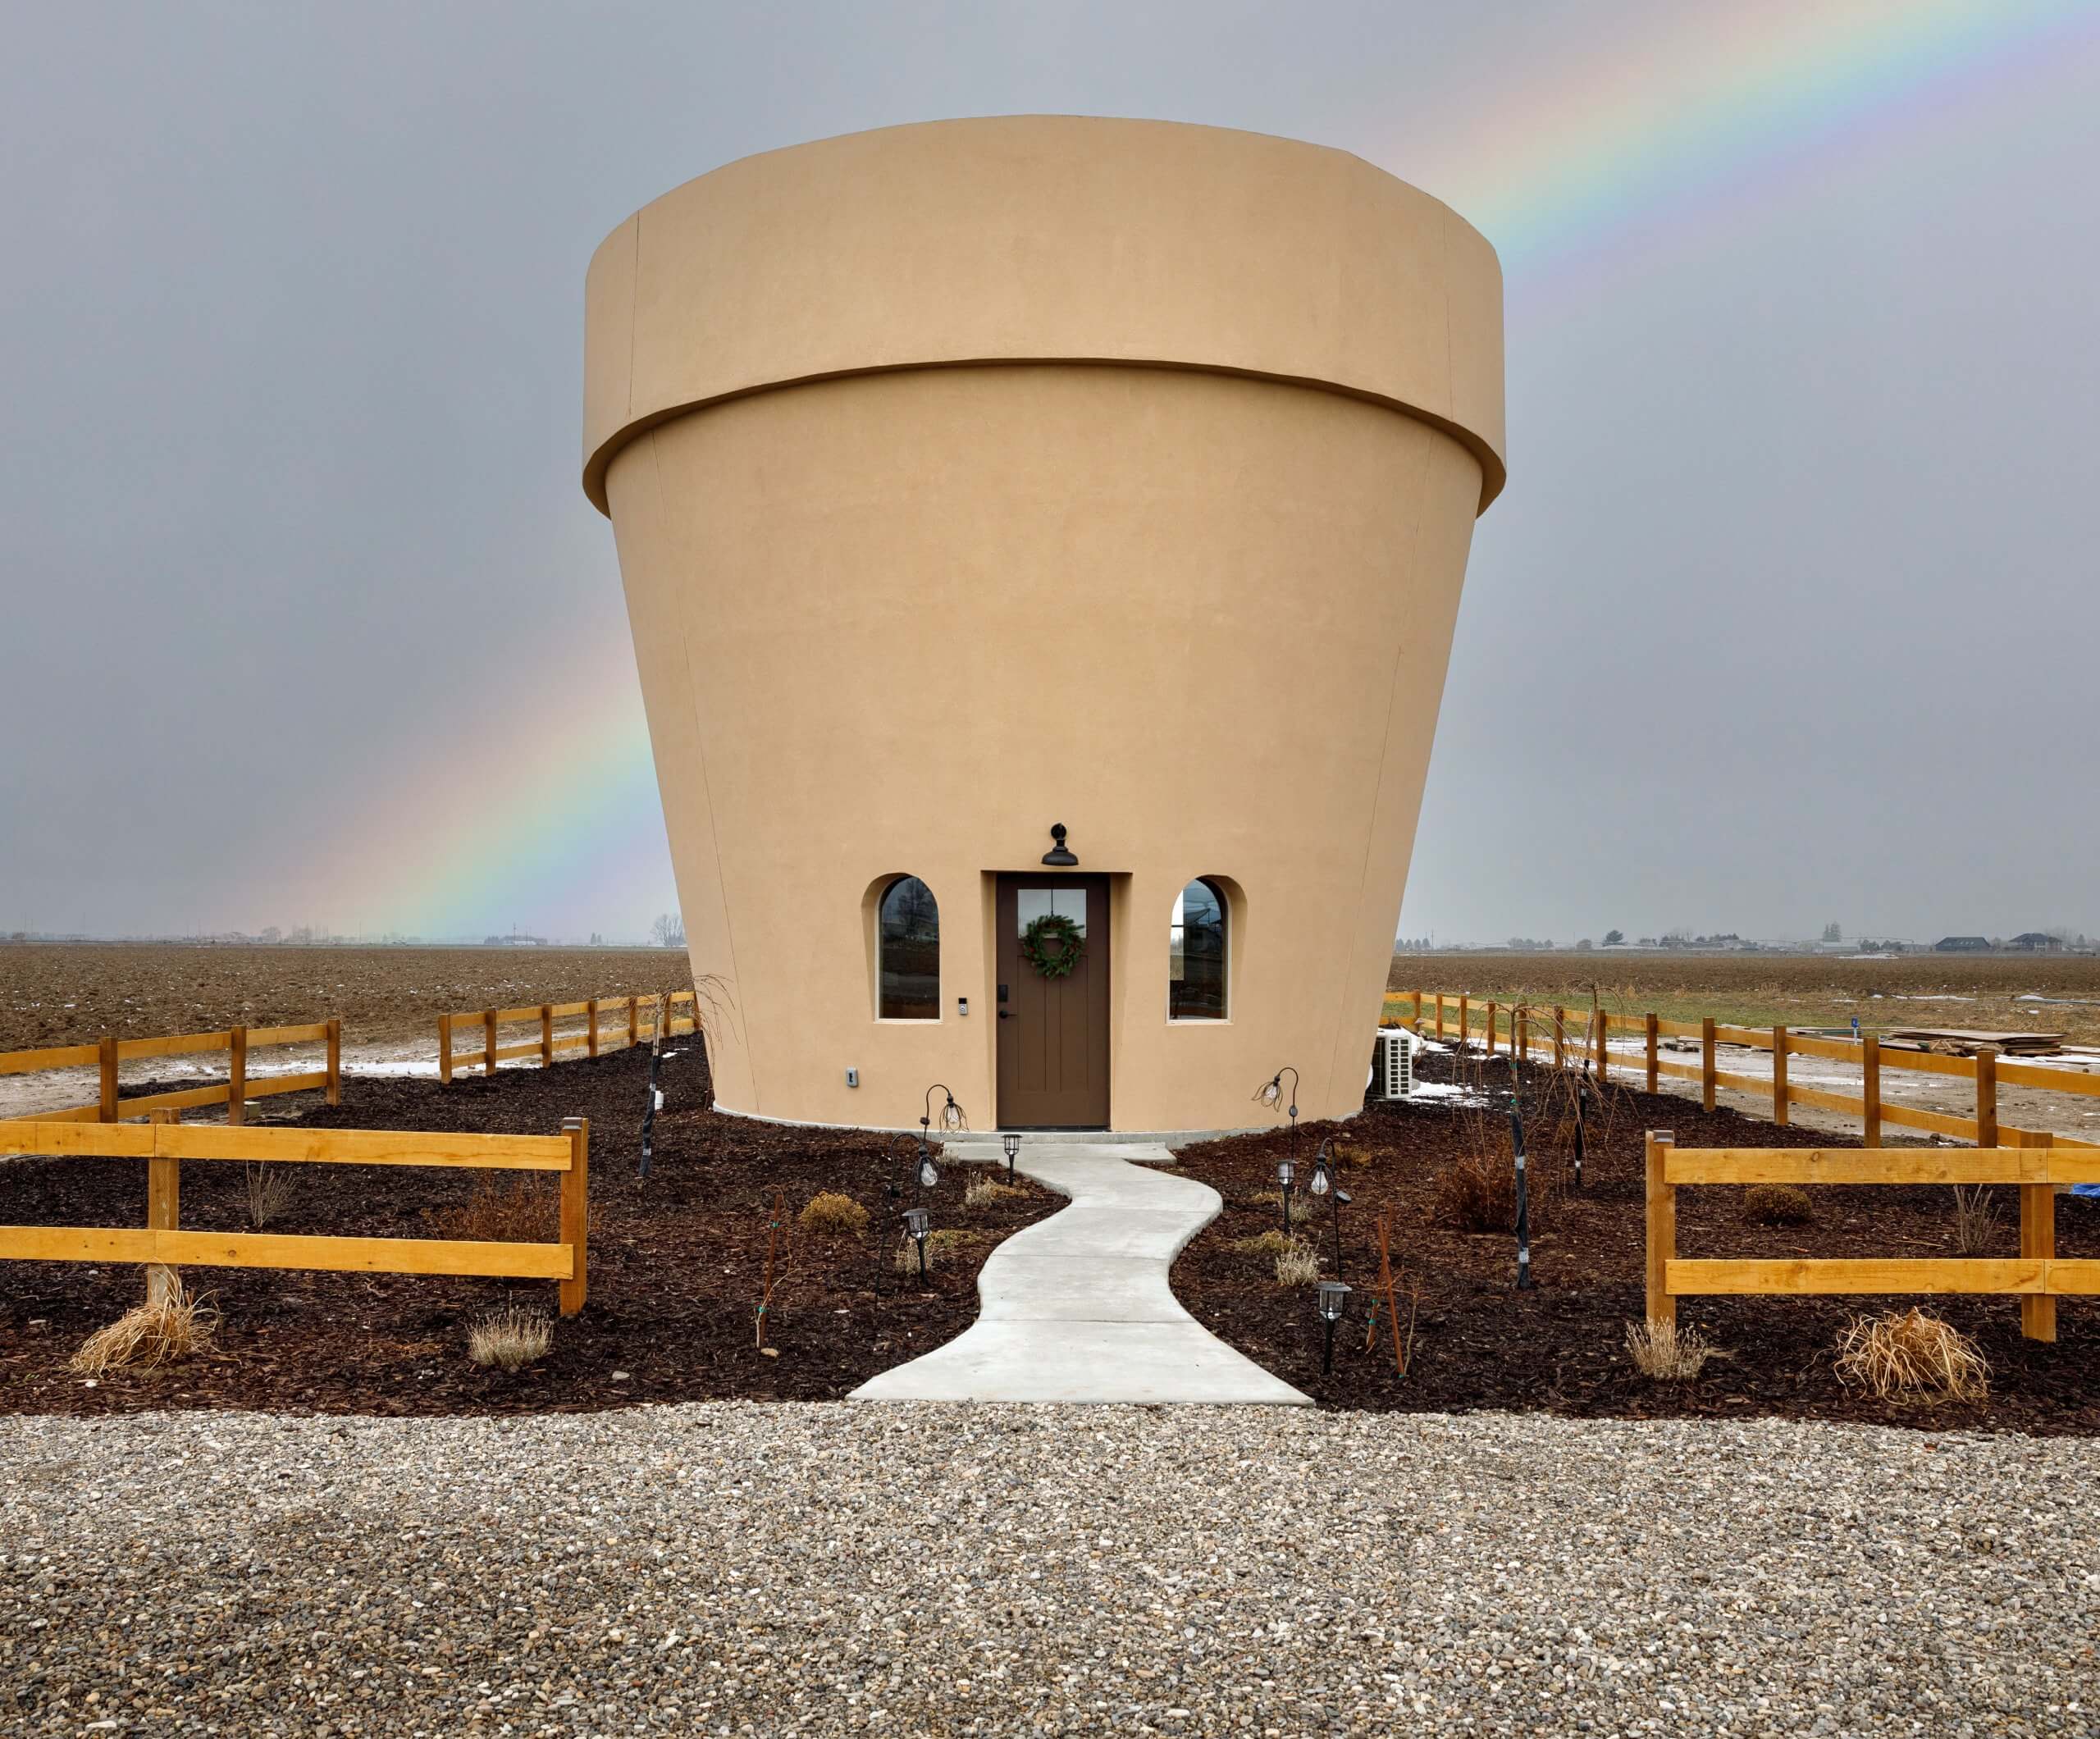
(163, 1331)
(830, 1211)
(1299, 1265)
(984, 1191)
(1661, 1350)
(1777, 1204)
(1269, 1244)
(1475, 1194)
(1301, 1207)
(1911, 1352)
(510, 1337)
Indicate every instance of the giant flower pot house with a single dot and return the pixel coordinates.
(982, 478)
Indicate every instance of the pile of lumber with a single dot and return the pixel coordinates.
(1961, 1042)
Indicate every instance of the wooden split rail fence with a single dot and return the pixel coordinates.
(238, 1044)
(1569, 1039)
(633, 1022)
(2036, 1276)
(163, 1245)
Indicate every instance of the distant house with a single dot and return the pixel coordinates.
(1963, 945)
(2035, 942)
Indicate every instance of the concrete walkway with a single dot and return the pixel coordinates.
(1076, 1307)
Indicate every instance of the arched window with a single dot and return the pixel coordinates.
(1195, 970)
(908, 946)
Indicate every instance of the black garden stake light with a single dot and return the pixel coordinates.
(1324, 1185)
(1285, 1173)
(1333, 1300)
(915, 1220)
(1523, 1198)
(1011, 1143)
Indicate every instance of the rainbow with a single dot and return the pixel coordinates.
(1630, 141)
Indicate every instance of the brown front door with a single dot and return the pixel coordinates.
(1053, 1032)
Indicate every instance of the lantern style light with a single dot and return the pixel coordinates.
(929, 1173)
(1318, 1186)
(1011, 1143)
(1286, 1171)
(1324, 1183)
(915, 1222)
(1333, 1301)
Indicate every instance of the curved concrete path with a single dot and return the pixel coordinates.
(1076, 1307)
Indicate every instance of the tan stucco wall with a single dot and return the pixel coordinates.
(1172, 565)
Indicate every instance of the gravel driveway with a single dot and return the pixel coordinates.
(927, 1569)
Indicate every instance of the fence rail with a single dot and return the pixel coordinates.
(593, 1038)
(238, 1043)
(2038, 1276)
(161, 1244)
(1584, 1035)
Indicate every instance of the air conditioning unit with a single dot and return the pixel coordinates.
(1392, 1065)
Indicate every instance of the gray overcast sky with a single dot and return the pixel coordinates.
(1789, 614)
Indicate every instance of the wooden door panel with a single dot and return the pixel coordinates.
(1053, 1032)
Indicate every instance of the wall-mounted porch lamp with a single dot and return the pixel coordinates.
(1057, 857)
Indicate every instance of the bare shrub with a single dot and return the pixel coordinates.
(1299, 1265)
(983, 1192)
(1271, 1244)
(1476, 1195)
(513, 1210)
(1777, 1204)
(1975, 1218)
(939, 1247)
(269, 1193)
(1661, 1350)
(1911, 1352)
(839, 1216)
(510, 1337)
(162, 1331)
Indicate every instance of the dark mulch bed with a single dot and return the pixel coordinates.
(1481, 1343)
(677, 1265)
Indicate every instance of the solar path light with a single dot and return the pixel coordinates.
(1333, 1301)
(915, 1219)
(1286, 1171)
(1011, 1143)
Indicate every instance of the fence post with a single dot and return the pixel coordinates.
(334, 1061)
(108, 1111)
(445, 1050)
(1662, 1227)
(633, 1021)
(2037, 1241)
(1870, 1090)
(488, 1042)
(590, 1033)
(1603, 1022)
(1559, 1037)
(546, 1035)
(1440, 1017)
(1987, 1098)
(1654, 1047)
(163, 1202)
(1491, 1029)
(1417, 1011)
(237, 1077)
(1706, 1084)
(1465, 1019)
(1780, 1113)
(576, 1214)
(1520, 1040)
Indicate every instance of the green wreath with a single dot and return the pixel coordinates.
(1053, 927)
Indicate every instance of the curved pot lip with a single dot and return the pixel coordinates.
(1045, 239)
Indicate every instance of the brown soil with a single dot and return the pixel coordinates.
(1479, 1344)
(72, 992)
(676, 1266)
